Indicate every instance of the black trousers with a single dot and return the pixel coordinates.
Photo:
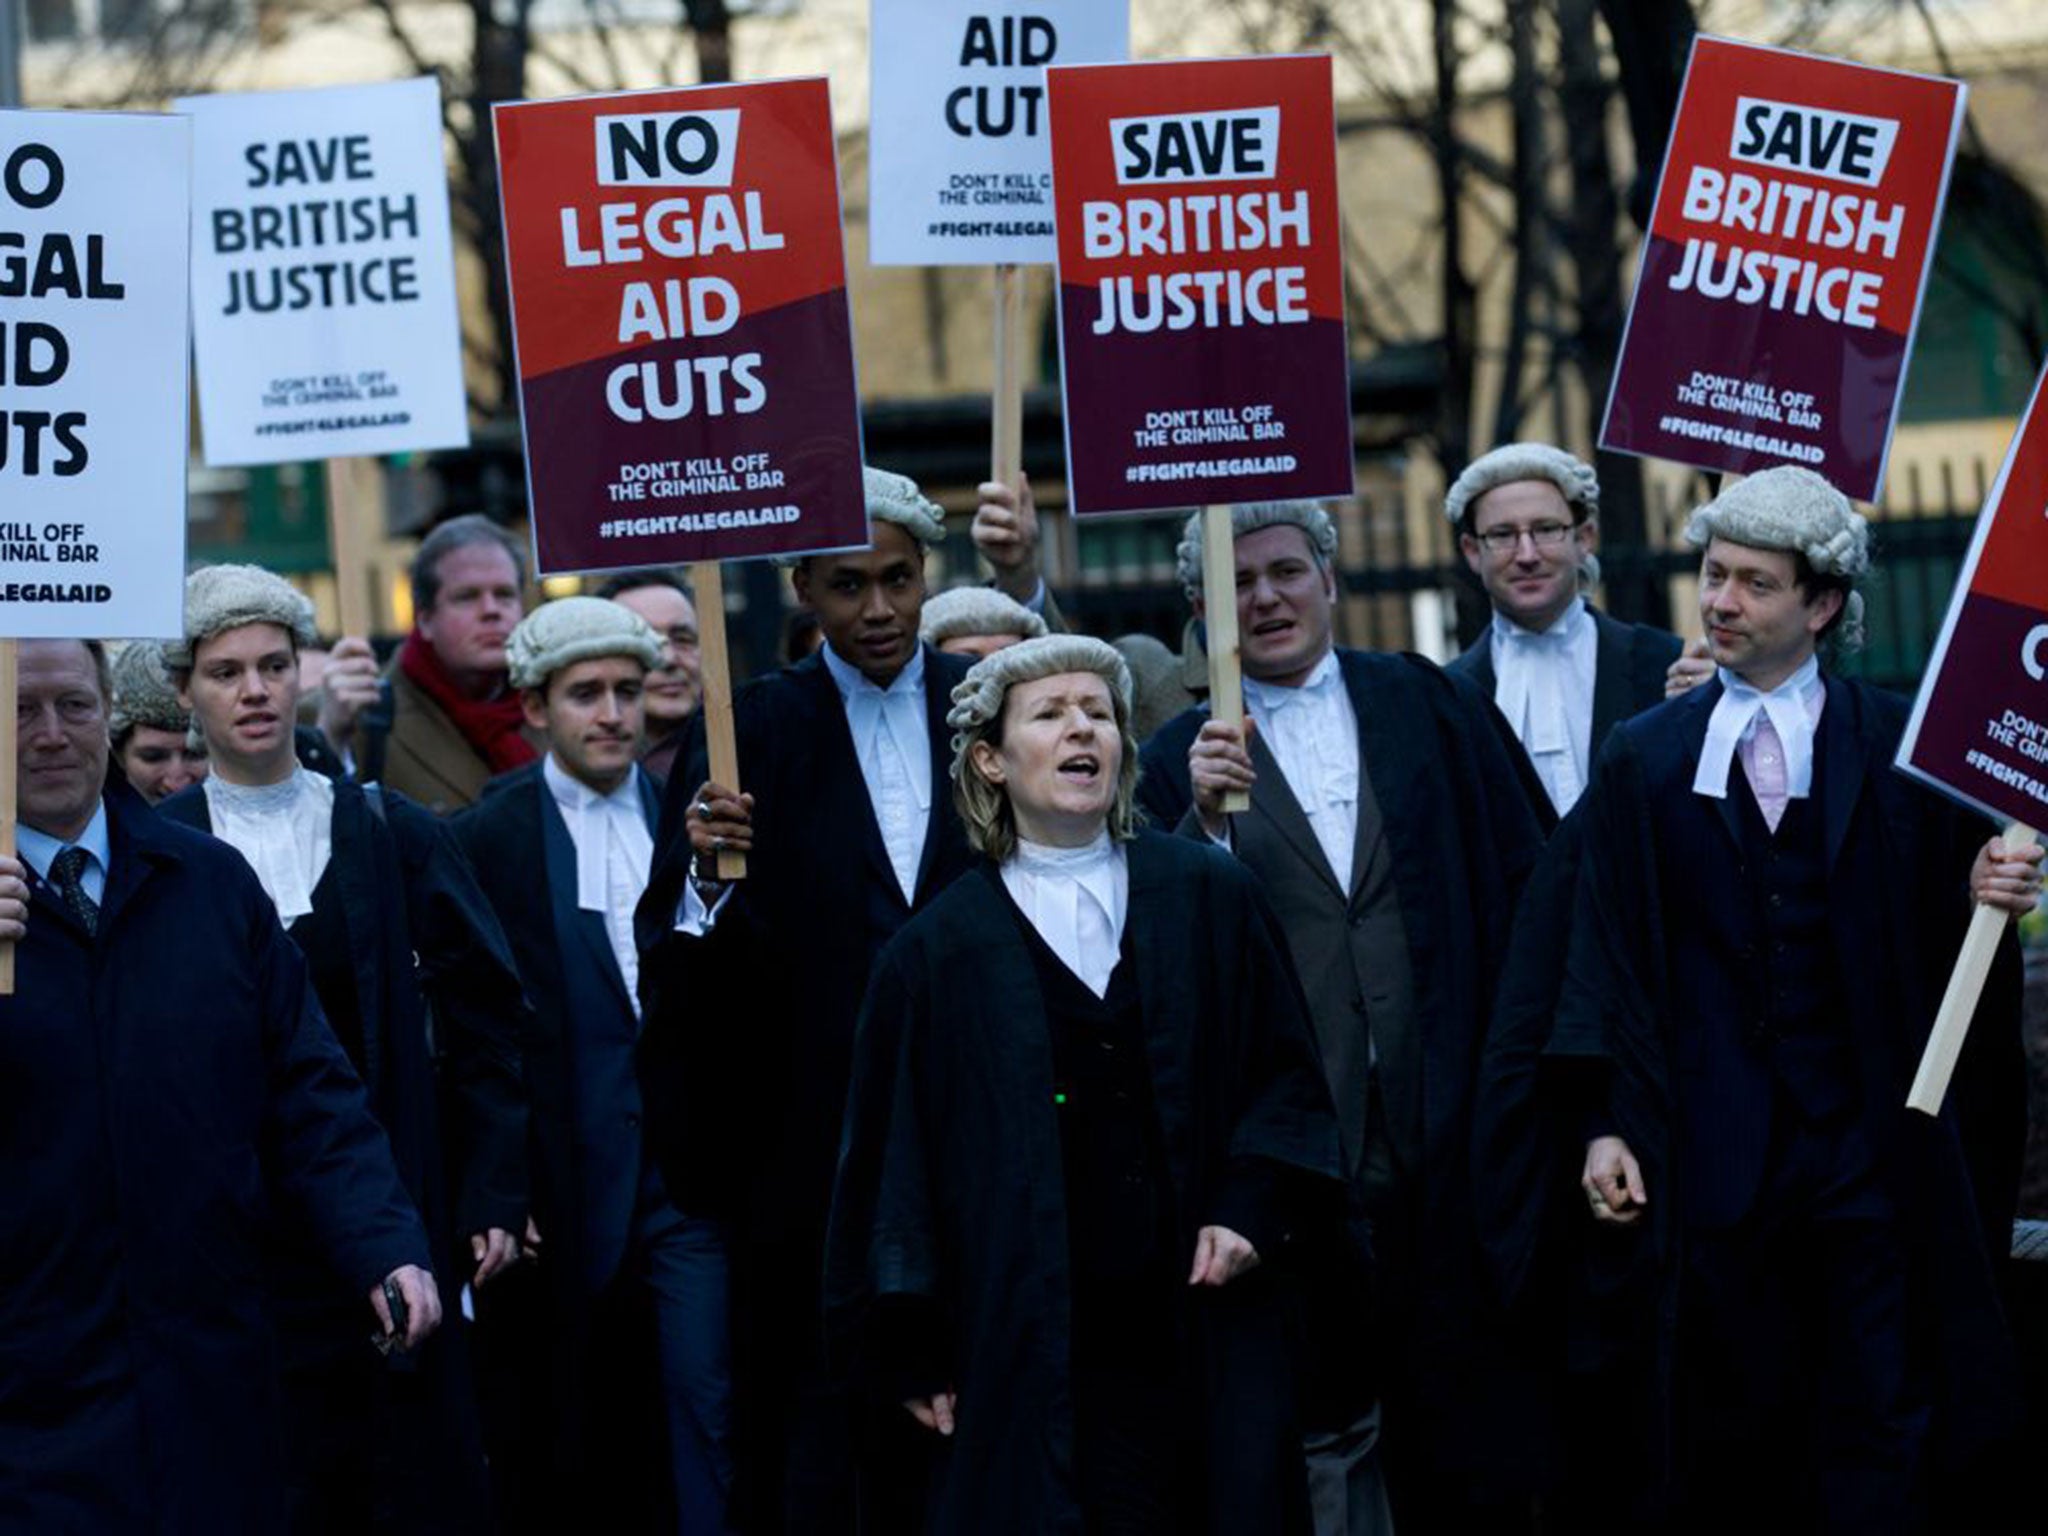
(1801, 1406)
(376, 1446)
(1136, 1455)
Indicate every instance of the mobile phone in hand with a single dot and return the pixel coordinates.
(394, 1303)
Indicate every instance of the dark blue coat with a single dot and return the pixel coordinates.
(167, 1090)
(1646, 992)
(422, 936)
(580, 1052)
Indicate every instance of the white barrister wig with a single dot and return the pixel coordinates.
(572, 629)
(894, 498)
(985, 812)
(1250, 517)
(219, 598)
(978, 697)
(976, 611)
(143, 692)
(1791, 508)
(1510, 462)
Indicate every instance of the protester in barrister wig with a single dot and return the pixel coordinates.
(1086, 1124)
(751, 987)
(154, 744)
(1527, 516)
(384, 905)
(1767, 916)
(1392, 821)
(676, 687)
(604, 1365)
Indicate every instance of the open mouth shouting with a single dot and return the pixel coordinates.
(1081, 768)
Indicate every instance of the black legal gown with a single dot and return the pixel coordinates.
(950, 1207)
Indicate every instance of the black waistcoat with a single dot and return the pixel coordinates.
(1119, 1203)
(1797, 1019)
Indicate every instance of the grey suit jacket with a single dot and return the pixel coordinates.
(1349, 946)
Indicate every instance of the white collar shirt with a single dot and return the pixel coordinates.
(1077, 900)
(1543, 683)
(1790, 713)
(39, 851)
(892, 740)
(614, 852)
(285, 831)
(1312, 732)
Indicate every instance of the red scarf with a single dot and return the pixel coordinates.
(492, 726)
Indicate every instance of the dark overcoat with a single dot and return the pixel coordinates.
(168, 1092)
(564, 1349)
(747, 1038)
(951, 1196)
(1670, 1019)
(1464, 820)
(748, 1035)
(584, 1187)
(421, 934)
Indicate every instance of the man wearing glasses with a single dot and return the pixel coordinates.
(1527, 517)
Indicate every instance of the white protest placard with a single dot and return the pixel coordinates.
(959, 162)
(323, 274)
(93, 381)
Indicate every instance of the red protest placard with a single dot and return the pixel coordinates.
(1980, 724)
(686, 376)
(1201, 283)
(1785, 265)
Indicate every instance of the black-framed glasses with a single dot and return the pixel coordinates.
(1504, 541)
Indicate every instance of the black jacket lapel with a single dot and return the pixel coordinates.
(1843, 750)
(353, 864)
(938, 702)
(1699, 706)
(1613, 677)
(1392, 748)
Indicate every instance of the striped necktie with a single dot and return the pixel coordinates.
(67, 873)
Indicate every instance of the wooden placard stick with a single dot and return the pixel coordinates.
(10, 686)
(346, 545)
(707, 590)
(1219, 617)
(1959, 1003)
(1006, 426)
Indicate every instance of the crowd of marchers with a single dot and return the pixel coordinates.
(409, 1123)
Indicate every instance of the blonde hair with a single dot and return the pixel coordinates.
(980, 703)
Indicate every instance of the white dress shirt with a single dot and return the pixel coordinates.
(614, 853)
(1543, 683)
(1773, 731)
(1312, 732)
(285, 830)
(39, 851)
(892, 738)
(1077, 899)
